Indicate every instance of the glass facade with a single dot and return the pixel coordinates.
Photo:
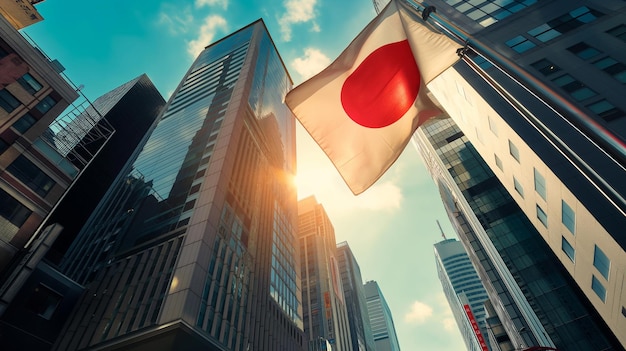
(210, 194)
(547, 288)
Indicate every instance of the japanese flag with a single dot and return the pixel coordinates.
(363, 108)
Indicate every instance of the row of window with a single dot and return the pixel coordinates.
(568, 218)
(9, 103)
(487, 12)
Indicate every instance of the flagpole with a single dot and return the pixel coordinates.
(606, 141)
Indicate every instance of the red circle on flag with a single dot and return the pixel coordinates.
(384, 86)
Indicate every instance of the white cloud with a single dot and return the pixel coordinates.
(418, 313)
(210, 3)
(447, 318)
(212, 25)
(311, 63)
(176, 20)
(297, 11)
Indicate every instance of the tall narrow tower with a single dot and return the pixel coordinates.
(381, 319)
(325, 313)
(195, 247)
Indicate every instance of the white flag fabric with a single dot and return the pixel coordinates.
(363, 108)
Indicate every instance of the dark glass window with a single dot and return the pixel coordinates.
(498, 162)
(601, 262)
(568, 217)
(12, 210)
(584, 51)
(3, 145)
(29, 83)
(46, 104)
(520, 44)
(540, 184)
(518, 187)
(564, 24)
(573, 87)
(31, 175)
(606, 110)
(612, 67)
(7, 101)
(545, 67)
(598, 288)
(568, 249)
(513, 151)
(24, 123)
(542, 216)
(618, 32)
(44, 302)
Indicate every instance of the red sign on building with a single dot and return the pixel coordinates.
(479, 335)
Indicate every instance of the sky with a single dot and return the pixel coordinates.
(391, 228)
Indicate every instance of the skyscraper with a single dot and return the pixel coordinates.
(195, 246)
(360, 329)
(536, 300)
(548, 119)
(464, 291)
(325, 313)
(381, 320)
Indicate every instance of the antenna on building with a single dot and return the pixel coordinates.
(442, 233)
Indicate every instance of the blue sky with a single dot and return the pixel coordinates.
(391, 228)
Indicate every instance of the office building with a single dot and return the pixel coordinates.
(464, 291)
(360, 330)
(195, 247)
(131, 109)
(536, 300)
(324, 304)
(34, 174)
(381, 320)
(540, 97)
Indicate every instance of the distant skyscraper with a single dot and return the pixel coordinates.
(549, 119)
(325, 313)
(381, 320)
(464, 291)
(195, 247)
(360, 329)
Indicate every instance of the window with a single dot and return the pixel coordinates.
(31, 175)
(618, 32)
(601, 262)
(45, 104)
(568, 249)
(13, 212)
(573, 87)
(542, 216)
(498, 162)
(564, 24)
(545, 67)
(44, 302)
(598, 288)
(540, 184)
(513, 151)
(568, 217)
(520, 44)
(29, 83)
(518, 187)
(606, 110)
(3, 145)
(7, 101)
(584, 51)
(614, 68)
(24, 123)
(492, 126)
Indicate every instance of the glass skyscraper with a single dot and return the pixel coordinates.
(464, 291)
(381, 320)
(195, 247)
